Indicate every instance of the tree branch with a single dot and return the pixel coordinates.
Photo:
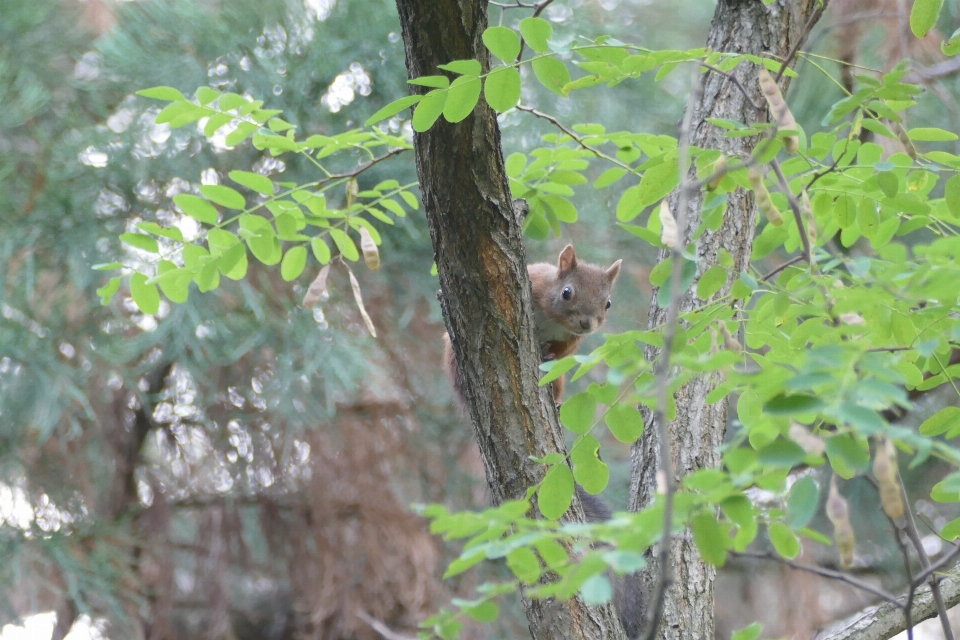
(887, 620)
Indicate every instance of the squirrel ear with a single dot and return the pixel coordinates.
(614, 271)
(568, 258)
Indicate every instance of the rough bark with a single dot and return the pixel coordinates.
(742, 26)
(485, 289)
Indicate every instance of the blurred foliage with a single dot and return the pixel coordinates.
(183, 473)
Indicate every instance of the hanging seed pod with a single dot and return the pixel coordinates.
(779, 109)
(716, 169)
(885, 469)
(904, 139)
(369, 248)
(317, 289)
(839, 515)
(764, 203)
(731, 343)
(668, 226)
(807, 208)
(808, 442)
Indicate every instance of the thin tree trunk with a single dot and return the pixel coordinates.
(486, 292)
(742, 26)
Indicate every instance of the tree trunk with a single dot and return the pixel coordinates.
(741, 26)
(485, 289)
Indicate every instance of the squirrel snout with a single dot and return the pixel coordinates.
(586, 324)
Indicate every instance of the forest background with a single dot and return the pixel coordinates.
(238, 466)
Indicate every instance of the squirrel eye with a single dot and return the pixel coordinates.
(567, 293)
(608, 304)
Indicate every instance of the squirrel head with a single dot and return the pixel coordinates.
(581, 296)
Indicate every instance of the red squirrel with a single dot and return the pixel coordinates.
(571, 300)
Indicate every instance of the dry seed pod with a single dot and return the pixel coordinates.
(764, 203)
(668, 226)
(904, 139)
(716, 169)
(779, 109)
(369, 248)
(317, 288)
(807, 207)
(808, 442)
(839, 515)
(885, 469)
(358, 298)
(731, 343)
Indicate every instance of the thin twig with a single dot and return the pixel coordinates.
(788, 263)
(735, 80)
(795, 207)
(820, 571)
(801, 38)
(914, 535)
(381, 628)
(936, 566)
(666, 471)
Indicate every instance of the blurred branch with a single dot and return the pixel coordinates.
(886, 620)
(381, 628)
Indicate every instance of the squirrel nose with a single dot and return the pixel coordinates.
(586, 325)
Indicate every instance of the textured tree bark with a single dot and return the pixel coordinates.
(742, 26)
(485, 289)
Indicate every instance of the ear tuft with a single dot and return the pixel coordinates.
(568, 258)
(614, 271)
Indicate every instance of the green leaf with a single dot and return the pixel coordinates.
(224, 196)
(345, 244)
(502, 88)
(711, 282)
(253, 181)
(320, 250)
(846, 211)
(658, 181)
(463, 67)
(502, 42)
(710, 539)
(923, 16)
(524, 564)
(434, 82)
(536, 32)
(889, 183)
(782, 453)
(609, 177)
(238, 135)
(785, 405)
(751, 632)
(293, 263)
(233, 262)
(625, 422)
(551, 73)
(206, 95)
(802, 503)
(461, 98)
(161, 93)
(845, 450)
(577, 413)
(556, 491)
(140, 241)
(196, 207)
(951, 530)
(392, 109)
(486, 611)
(931, 134)
(429, 109)
(784, 540)
(107, 291)
(868, 218)
(144, 295)
(596, 590)
(952, 46)
(208, 278)
(942, 421)
(951, 196)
